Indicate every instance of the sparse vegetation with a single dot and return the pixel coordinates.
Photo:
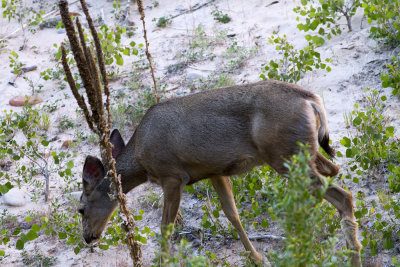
(193, 58)
(162, 22)
(322, 17)
(392, 77)
(33, 149)
(220, 16)
(294, 63)
(26, 15)
(387, 16)
(372, 148)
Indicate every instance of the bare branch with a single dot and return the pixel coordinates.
(100, 58)
(141, 10)
(80, 59)
(78, 97)
(90, 76)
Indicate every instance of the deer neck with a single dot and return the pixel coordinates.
(132, 174)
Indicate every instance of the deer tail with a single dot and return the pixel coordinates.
(323, 133)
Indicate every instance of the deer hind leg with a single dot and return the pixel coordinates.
(342, 200)
(223, 188)
(325, 166)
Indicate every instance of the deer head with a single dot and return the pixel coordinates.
(95, 204)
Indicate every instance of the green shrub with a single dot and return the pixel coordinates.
(301, 214)
(372, 148)
(323, 17)
(219, 16)
(392, 77)
(162, 22)
(386, 13)
(372, 143)
(183, 255)
(33, 147)
(294, 63)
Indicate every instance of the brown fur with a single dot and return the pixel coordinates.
(214, 134)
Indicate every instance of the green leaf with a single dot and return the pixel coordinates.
(215, 213)
(143, 239)
(119, 59)
(126, 51)
(318, 41)
(4, 188)
(76, 250)
(349, 153)
(62, 235)
(35, 228)
(31, 235)
(390, 130)
(346, 142)
(104, 247)
(45, 142)
(70, 164)
(357, 121)
(388, 243)
(20, 244)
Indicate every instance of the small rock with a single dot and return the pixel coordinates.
(19, 101)
(196, 243)
(61, 31)
(66, 144)
(193, 76)
(5, 164)
(15, 197)
(50, 23)
(75, 14)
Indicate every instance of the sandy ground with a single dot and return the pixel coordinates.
(357, 64)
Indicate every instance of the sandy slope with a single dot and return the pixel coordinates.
(357, 64)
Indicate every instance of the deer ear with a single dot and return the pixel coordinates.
(118, 143)
(93, 174)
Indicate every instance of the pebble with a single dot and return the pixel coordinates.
(66, 144)
(5, 164)
(15, 197)
(18, 101)
(193, 76)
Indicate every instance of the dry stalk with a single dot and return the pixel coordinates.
(141, 11)
(98, 122)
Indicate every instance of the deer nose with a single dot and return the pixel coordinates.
(88, 239)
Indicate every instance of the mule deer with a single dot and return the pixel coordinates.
(215, 134)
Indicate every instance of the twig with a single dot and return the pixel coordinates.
(256, 237)
(20, 72)
(141, 10)
(194, 8)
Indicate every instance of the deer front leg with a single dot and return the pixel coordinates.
(172, 189)
(343, 202)
(223, 188)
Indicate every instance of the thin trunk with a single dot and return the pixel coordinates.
(348, 19)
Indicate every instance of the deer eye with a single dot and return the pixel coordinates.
(81, 211)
